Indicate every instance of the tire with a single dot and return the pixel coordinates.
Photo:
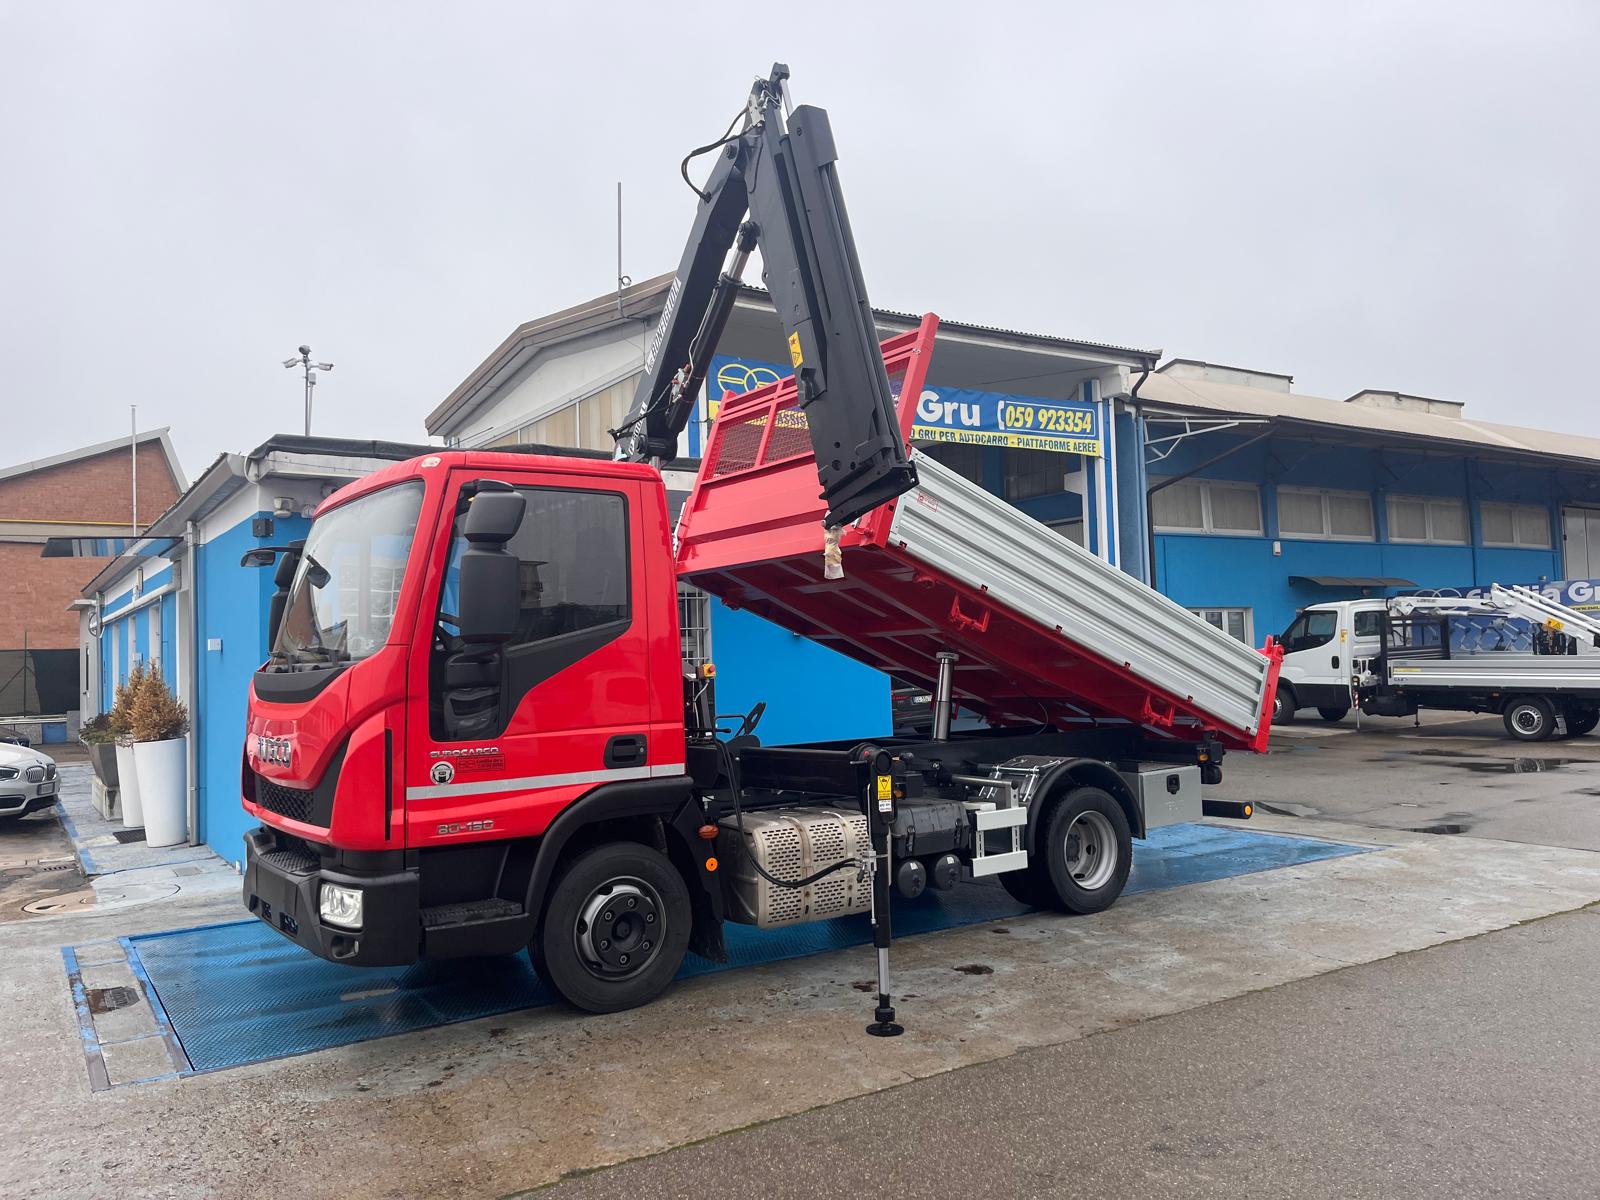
(1283, 705)
(1029, 886)
(1331, 714)
(1088, 849)
(632, 888)
(1582, 720)
(1530, 718)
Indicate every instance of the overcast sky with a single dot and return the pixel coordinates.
(1400, 196)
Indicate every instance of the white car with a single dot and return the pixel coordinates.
(27, 781)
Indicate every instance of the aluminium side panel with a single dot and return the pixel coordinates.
(1500, 672)
(965, 532)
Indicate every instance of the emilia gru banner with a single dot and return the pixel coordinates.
(945, 414)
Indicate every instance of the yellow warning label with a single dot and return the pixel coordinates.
(794, 350)
(885, 788)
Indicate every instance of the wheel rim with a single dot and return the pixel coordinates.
(1527, 719)
(1091, 850)
(619, 928)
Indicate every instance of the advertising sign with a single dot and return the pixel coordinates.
(947, 414)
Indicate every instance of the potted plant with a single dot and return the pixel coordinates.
(127, 772)
(158, 722)
(99, 737)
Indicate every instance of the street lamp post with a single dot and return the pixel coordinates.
(311, 368)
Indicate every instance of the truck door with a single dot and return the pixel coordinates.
(1311, 651)
(513, 734)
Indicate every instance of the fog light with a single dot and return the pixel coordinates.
(340, 906)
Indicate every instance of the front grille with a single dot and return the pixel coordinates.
(294, 803)
(50, 771)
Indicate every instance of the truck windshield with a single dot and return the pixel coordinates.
(342, 601)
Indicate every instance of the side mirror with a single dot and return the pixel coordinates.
(261, 556)
(488, 599)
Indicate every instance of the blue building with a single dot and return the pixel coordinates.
(1244, 500)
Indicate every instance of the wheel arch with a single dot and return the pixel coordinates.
(659, 813)
(1076, 773)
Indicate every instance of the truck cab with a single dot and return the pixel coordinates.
(1325, 649)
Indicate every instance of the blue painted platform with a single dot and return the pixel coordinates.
(240, 993)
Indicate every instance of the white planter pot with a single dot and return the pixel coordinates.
(162, 768)
(128, 786)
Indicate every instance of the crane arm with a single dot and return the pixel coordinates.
(779, 171)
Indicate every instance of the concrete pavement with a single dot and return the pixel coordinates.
(1471, 1069)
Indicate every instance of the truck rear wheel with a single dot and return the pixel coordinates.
(1530, 718)
(1582, 720)
(615, 929)
(1333, 712)
(1088, 849)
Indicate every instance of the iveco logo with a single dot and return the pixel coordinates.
(273, 750)
(442, 772)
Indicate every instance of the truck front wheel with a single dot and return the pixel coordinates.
(1530, 718)
(1088, 850)
(615, 929)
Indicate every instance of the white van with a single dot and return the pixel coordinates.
(1325, 649)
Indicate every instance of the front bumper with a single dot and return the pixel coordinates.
(281, 882)
(18, 799)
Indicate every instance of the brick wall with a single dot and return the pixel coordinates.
(34, 594)
(91, 489)
(35, 591)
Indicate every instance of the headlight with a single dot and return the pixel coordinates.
(9, 772)
(340, 906)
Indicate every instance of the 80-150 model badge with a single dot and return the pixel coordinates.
(442, 772)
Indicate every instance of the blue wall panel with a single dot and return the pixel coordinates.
(232, 606)
(169, 637)
(812, 693)
(1200, 571)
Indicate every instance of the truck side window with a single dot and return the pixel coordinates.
(574, 597)
(1369, 624)
(1310, 630)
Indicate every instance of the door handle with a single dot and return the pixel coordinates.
(626, 750)
(1335, 662)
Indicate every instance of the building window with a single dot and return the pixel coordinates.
(1322, 513)
(1030, 473)
(1525, 525)
(1433, 519)
(694, 627)
(1207, 506)
(1235, 622)
(1071, 529)
(966, 461)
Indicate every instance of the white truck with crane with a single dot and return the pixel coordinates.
(1512, 651)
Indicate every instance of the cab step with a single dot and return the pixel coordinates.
(470, 912)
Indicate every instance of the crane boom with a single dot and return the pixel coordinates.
(779, 171)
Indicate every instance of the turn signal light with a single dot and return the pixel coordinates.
(1249, 810)
(708, 833)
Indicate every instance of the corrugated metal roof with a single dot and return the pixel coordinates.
(644, 301)
(1161, 390)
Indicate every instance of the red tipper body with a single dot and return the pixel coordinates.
(751, 533)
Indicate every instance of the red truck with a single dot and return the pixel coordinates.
(475, 734)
